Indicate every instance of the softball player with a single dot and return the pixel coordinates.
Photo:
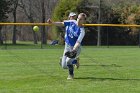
(74, 34)
(72, 16)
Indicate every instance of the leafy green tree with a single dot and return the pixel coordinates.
(63, 8)
(61, 11)
(126, 13)
(112, 12)
(15, 4)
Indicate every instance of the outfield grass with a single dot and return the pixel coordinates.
(102, 70)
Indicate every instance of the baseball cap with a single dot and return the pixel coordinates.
(72, 14)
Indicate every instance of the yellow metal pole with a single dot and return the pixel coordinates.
(47, 24)
(115, 25)
(26, 24)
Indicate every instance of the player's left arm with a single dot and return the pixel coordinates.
(80, 38)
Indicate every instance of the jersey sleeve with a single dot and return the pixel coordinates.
(81, 36)
(69, 22)
(66, 23)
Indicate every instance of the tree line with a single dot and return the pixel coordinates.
(111, 12)
(25, 11)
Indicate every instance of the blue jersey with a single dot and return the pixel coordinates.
(72, 32)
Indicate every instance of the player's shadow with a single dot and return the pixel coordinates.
(102, 65)
(111, 79)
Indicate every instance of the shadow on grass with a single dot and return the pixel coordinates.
(18, 44)
(112, 79)
(30, 46)
(112, 65)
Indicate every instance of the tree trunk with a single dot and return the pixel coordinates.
(43, 32)
(15, 20)
(14, 28)
(1, 38)
(30, 17)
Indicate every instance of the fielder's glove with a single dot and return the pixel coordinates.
(71, 54)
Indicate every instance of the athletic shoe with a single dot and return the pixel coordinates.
(70, 77)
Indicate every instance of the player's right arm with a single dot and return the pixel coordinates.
(55, 23)
(64, 23)
(58, 23)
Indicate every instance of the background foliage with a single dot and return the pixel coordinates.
(112, 11)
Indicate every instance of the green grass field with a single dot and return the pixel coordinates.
(102, 70)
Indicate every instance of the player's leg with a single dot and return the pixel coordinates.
(67, 63)
(70, 68)
(76, 61)
(63, 62)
